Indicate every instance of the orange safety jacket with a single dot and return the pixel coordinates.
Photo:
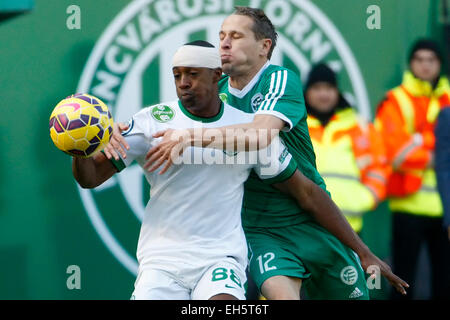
(350, 156)
(406, 120)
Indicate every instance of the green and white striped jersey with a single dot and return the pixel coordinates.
(275, 91)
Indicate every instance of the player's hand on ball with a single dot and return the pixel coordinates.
(170, 148)
(117, 144)
(372, 260)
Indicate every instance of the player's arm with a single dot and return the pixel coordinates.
(251, 136)
(92, 172)
(281, 109)
(117, 144)
(314, 200)
(117, 155)
(317, 202)
(255, 135)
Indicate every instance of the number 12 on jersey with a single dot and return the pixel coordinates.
(269, 256)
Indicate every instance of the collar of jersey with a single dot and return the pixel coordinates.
(241, 93)
(201, 119)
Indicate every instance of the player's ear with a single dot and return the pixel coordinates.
(265, 47)
(217, 74)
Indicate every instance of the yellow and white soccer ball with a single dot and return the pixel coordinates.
(81, 125)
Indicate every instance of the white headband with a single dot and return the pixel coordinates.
(197, 57)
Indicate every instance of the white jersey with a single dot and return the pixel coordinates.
(193, 216)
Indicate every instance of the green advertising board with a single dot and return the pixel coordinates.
(120, 51)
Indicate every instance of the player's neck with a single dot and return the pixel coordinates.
(239, 81)
(208, 109)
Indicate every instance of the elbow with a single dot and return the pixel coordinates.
(307, 205)
(300, 188)
(86, 185)
(83, 181)
(84, 174)
(310, 196)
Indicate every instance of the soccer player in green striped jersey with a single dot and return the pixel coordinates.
(289, 245)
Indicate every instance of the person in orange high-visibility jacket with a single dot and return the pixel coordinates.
(349, 152)
(406, 120)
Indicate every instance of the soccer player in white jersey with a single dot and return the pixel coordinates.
(191, 243)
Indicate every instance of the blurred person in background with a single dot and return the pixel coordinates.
(406, 120)
(350, 154)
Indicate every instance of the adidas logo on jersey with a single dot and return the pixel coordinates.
(355, 294)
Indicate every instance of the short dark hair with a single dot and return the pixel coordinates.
(262, 26)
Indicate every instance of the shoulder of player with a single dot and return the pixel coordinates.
(273, 68)
(279, 73)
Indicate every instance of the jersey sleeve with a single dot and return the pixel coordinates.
(138, 136)
(283, 98)
(275, 163)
